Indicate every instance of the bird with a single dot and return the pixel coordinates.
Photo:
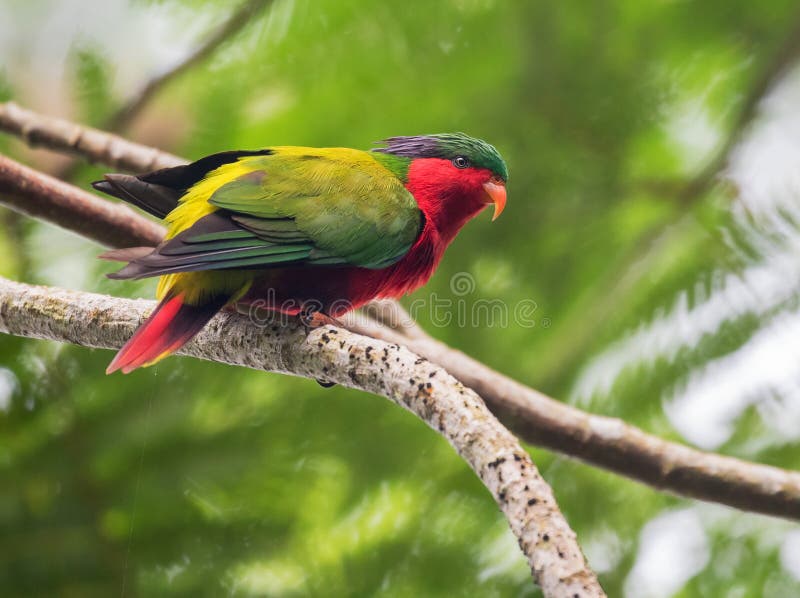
(300, 231)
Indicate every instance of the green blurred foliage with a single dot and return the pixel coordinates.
(90, 75)
(190, 478)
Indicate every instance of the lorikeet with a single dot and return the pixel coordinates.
(299, 230)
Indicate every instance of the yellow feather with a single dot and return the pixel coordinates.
(194, 204)
(196, 286)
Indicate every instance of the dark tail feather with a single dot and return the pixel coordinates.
(169, 327)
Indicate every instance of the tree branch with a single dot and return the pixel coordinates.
(610, 442)
(388, 370)
(235, 23)
(606, 442)
(39, 195)
(97, 146)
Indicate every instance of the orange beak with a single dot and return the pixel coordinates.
(496, 190)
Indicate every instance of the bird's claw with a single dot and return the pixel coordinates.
(317, 319)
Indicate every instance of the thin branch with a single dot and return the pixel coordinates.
(97, 146)
(620, 447)
(235, 23)
(39, 195)
(602, 441)
(610, 442)
(388, 370)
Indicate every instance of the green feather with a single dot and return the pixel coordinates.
(397, 165)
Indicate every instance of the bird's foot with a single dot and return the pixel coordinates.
(317, 319)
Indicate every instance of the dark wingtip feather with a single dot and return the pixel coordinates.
(108, 188)
(152, 198)
(117, 179)
(103, 186)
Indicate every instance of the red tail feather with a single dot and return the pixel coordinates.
(169, 327)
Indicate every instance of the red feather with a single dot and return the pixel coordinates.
(169, 327)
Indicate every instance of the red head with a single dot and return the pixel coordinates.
(452, 177)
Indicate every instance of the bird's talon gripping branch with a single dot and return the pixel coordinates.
(316, 319)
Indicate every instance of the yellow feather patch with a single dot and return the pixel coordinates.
(193, 205)
(199, 286)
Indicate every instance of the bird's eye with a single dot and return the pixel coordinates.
(460, 162)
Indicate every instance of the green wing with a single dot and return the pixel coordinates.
(342, 201)
(296, 205)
